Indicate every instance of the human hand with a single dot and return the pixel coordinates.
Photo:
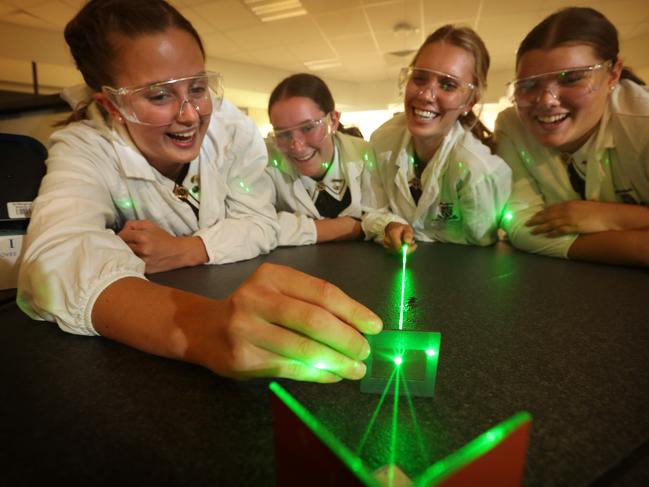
(283, 323)
(396, 235)
(160, 250)
(573, 216)
(337, 229)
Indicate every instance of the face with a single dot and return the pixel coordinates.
(308, 153)
(565, 121)
(428, 122)
(157, 57)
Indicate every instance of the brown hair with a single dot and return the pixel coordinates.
(467, 39)
(92, 35)
(308, 86)
(577, 25)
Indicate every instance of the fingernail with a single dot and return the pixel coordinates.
(359, 370)
(365, 352)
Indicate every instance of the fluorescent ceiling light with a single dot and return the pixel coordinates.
(269, 10)
(322, 64)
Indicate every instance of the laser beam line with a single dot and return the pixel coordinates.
(404, 251)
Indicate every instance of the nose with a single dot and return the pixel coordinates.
(297, 140)
(190, 113)
(548, 96)
(431, 88)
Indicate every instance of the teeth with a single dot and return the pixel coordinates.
(426, 114)
(552, 118)
(304, 158)
(184, 136)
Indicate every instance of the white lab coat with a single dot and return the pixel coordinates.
(464, 187)
(296, 210)
(617, 165)
(97, 179)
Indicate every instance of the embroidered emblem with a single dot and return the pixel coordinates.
(445, 212)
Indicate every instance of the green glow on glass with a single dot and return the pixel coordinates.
(366, 157)
(431, 352)
(404, 252)
(509, 216)
(460, 165)
(325, 165)
(393, 438)
(275, 163)
(352, 462)
(398, 360)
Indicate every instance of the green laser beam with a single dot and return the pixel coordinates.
(404, 251)
(420, 438)
(375, 415)
(393, 440)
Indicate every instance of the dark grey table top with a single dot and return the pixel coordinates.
(567, 342)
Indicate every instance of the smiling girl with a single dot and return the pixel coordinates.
(435, 179)
(578, 144)
(158, 173)
(317, 169)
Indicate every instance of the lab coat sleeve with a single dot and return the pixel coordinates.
(482, 200)
(250, 225)
(526, 198)
(294, 229)
(70, 255)
(377, 213)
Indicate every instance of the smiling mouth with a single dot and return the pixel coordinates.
(426, 115)
(183, 137)
(552, 119)
(305, 158)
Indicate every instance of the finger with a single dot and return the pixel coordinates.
(317, 323)
(262, 363)
(307, 351)
(412, 247)
(324, 295)
(407, 235)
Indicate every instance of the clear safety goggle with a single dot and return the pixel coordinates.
(450, 91)
(569, 84)
(312, 132)
(160, 103)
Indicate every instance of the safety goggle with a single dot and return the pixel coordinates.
(160, 103)
(311, 131)
(450, 91)
(569, 83)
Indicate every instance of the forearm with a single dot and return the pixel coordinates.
(626, 247)
(620, 216)
(334, 229)
(153, 318)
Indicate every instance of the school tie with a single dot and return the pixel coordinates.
(577, 179)
(327, 205)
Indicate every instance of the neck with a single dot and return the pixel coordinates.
(425, 148)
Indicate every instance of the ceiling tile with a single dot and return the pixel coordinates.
(226, 14)
(251, 38)
(383, 18)
(218, 45)
(56, 13)
(337, 25)
(28, 21)
(453, 12)
(310, 51)
(294, 30)
(201, 25)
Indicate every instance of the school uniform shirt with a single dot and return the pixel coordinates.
(463, 187)
(614, 162)
(97, 180)
(295, 195)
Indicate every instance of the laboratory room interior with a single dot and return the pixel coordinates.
(494, 337)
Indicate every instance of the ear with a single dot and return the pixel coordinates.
(614, 75)
(335, 121)
(103, 100)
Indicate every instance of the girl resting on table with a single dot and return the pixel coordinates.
(435, 179)
(316, 168)
(159, 173)
(578, 144)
